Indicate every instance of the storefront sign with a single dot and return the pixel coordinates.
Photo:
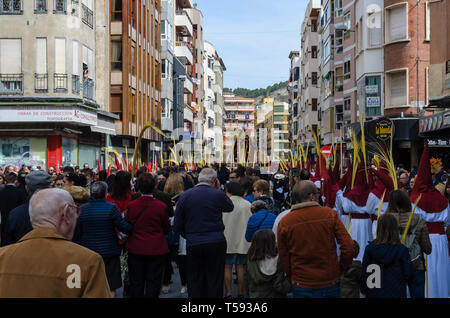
(384, 129)
(372, 89)
(439, 142)
(48, 114)
(373, 102)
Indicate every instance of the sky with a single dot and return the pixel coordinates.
(253, 37)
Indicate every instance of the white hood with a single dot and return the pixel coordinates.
(268, 266)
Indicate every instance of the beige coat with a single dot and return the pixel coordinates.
(236, 225)
(39, 266)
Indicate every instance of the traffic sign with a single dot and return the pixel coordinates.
(326, 151)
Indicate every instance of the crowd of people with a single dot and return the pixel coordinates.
(306, 233)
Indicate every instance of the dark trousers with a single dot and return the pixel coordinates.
(417, 285)
(146, 274)
(181, 263)
(168, 272)
(205, 270)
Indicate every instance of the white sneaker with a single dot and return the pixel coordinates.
(183, 290)
(165, 289)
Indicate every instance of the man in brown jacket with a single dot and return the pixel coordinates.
(307, 245)
(45, 263)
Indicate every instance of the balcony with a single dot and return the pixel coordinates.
(41, 83)
(88, 88)
(11, 84)
(76, 84)
(60, 83)
(87, 16)
(188, 86)
(184, 52)
(183, 23)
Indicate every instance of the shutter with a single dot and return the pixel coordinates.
(60, 56)
(375, 37)
(397, 19)
(398, 88)
(75, 58)
(91, 63)
(41, 56)
(10, 56)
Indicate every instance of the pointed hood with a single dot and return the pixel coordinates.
(361, 189)
(432, 200)
(346, 181)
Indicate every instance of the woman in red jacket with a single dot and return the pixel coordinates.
(147, 246)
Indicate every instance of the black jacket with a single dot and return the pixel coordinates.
(10, 198)
(19, 223)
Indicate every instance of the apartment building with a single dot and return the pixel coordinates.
(195, 72)
(54, 70)
(239, 121)
(209, 80)
(436, 127)
(406, 62)
(294, 88)
(173, 76)
(308, 115)
(277, 124)
(136, 74)
(219, 108)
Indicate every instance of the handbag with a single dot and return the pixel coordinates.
(122, 236)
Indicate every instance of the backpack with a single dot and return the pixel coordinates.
(413, 247)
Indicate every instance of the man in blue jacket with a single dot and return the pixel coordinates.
(96, 230)
(198, 218)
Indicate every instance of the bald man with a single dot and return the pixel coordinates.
(307, 245)
(45, 263)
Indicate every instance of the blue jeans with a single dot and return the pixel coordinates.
(417, 284)
(327, 292)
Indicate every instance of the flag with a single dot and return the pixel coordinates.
(99, 165)
(109, 170)
(118, 165)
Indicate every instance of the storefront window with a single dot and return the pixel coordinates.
(69, 152)
(21, 151)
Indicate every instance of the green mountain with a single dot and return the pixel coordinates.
(259, 92)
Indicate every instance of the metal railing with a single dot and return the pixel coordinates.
(76, 84)
(10, 6)
(60, 83)
(88, 88)
(11, 84)
(41, 83)
(87, 16)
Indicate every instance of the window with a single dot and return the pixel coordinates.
(313, 25)
(397, 88)
(314, 52)
(60, 6)
(396, 23)
(347, 103)
(347, 61)
(60, 76)
(372, 91)
(339, 79)
(359, 36)
(339, 116)
(374, 29)
(210, 123)
(339, 41)
(11, 77)
(87, 15)
(338, 8)
(427, 21)
(314, 78)
(326, 17)
(314, 104)
(347, 24)
(40, 6)
(116, 10)
(41, 76)
(75, 67)
(326, 51)
(88, 72)
(11, 7)
(116, 56)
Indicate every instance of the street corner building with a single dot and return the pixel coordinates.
(76, 77)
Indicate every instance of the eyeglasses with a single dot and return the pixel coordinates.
(78, 209)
